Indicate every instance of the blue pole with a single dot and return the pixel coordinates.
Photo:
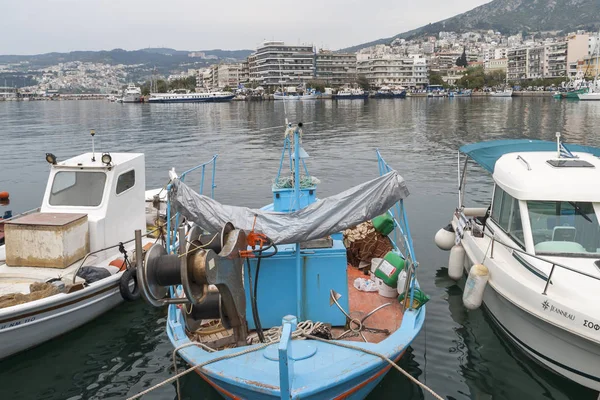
(202, 180)
(299, 294)
(214, 170)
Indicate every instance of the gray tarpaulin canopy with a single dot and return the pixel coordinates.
(320, 219)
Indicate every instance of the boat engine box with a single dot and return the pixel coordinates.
(51, 240)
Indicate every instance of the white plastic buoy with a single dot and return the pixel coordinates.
(444, 238)
(456, 262)
(473, 293)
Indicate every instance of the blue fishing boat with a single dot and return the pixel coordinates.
(262, 303)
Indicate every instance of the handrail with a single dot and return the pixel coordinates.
(553, 263)
(24, 213)
(213, 162)
(401, 223)
(104, 249)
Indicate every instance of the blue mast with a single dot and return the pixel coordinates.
(299, 292)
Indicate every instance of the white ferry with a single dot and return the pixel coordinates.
(190, 97)
(132, 94)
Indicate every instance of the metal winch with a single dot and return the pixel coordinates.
(202, 260)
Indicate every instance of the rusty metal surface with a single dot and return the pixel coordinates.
(47, 219)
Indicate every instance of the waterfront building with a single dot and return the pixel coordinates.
(555, 59)
(492, 65)
(517, 63)
(453, 75)
(535, 62)
(244, 72)
(275, 63)
(228, 75)
(335, 69)
(577, 49)
(394, 70)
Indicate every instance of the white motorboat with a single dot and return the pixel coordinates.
(539, 243)
(502, 93)
(132, 94)
(61, 265)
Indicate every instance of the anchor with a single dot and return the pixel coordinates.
(356, 326)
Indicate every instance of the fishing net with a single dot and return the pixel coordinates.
(38, 290)
(287, 182)
(364, 243)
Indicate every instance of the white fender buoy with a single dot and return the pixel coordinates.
(444, 238)
(473, 293)
(456, 262)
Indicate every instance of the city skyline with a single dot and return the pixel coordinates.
(45, 26)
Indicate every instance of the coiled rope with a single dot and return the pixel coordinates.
(300, 333)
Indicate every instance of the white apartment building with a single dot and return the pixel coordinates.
(394, 70)
(275, 63)
(335, 68)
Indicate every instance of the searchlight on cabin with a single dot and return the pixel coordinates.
(51, 158)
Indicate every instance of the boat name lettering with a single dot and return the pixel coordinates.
(591, 325)
(546, 305)
(17, 323)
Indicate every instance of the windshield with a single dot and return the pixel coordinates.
(564, 227)
(77, 188)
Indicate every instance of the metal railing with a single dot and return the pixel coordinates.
(398, 214)
(525, 253)
(171, 243)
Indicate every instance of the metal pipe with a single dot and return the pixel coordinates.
(548, 281)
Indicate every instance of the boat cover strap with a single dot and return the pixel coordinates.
(320, 219)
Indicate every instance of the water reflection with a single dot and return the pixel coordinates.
(458, 354)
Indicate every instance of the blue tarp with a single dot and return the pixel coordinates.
(487, 153)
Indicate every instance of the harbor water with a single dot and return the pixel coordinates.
(460, 354)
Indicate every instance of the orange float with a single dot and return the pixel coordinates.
(4, 195)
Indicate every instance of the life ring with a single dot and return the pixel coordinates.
(129, 286)
(4, 195)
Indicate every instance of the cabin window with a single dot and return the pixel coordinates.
(77, 188)
(125, 181)
(564, 227)
(507, 215)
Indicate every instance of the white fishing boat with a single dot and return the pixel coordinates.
(132, 94)
(62, 264)
(351, 94)
(536, 251)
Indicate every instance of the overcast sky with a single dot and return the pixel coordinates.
(41, 26)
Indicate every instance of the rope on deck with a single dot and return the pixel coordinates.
(383, 357)
(187, 371)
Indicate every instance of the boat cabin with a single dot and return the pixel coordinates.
(111, 194)
(546, 204)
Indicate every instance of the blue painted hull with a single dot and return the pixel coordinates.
(353, 97)
(390, 95)
(332, 373)
(206, 100)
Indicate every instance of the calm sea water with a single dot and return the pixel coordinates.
(459, 354)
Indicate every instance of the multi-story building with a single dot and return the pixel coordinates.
(535, 62)
(517, 63)
(335, 68)
(577, 49)
(394, 70)
(499, 64)
(555, 60)
(244, 72)
(228, 75)
(275, 63)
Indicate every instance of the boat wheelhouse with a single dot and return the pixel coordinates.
(65, 263)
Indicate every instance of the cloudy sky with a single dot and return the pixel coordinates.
(40, 26)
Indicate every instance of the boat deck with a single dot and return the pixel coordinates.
(362, 303)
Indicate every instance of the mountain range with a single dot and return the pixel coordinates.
(511, 17)
(161, 58)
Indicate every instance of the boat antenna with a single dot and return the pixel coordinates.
(558, 144)
(93, 132)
